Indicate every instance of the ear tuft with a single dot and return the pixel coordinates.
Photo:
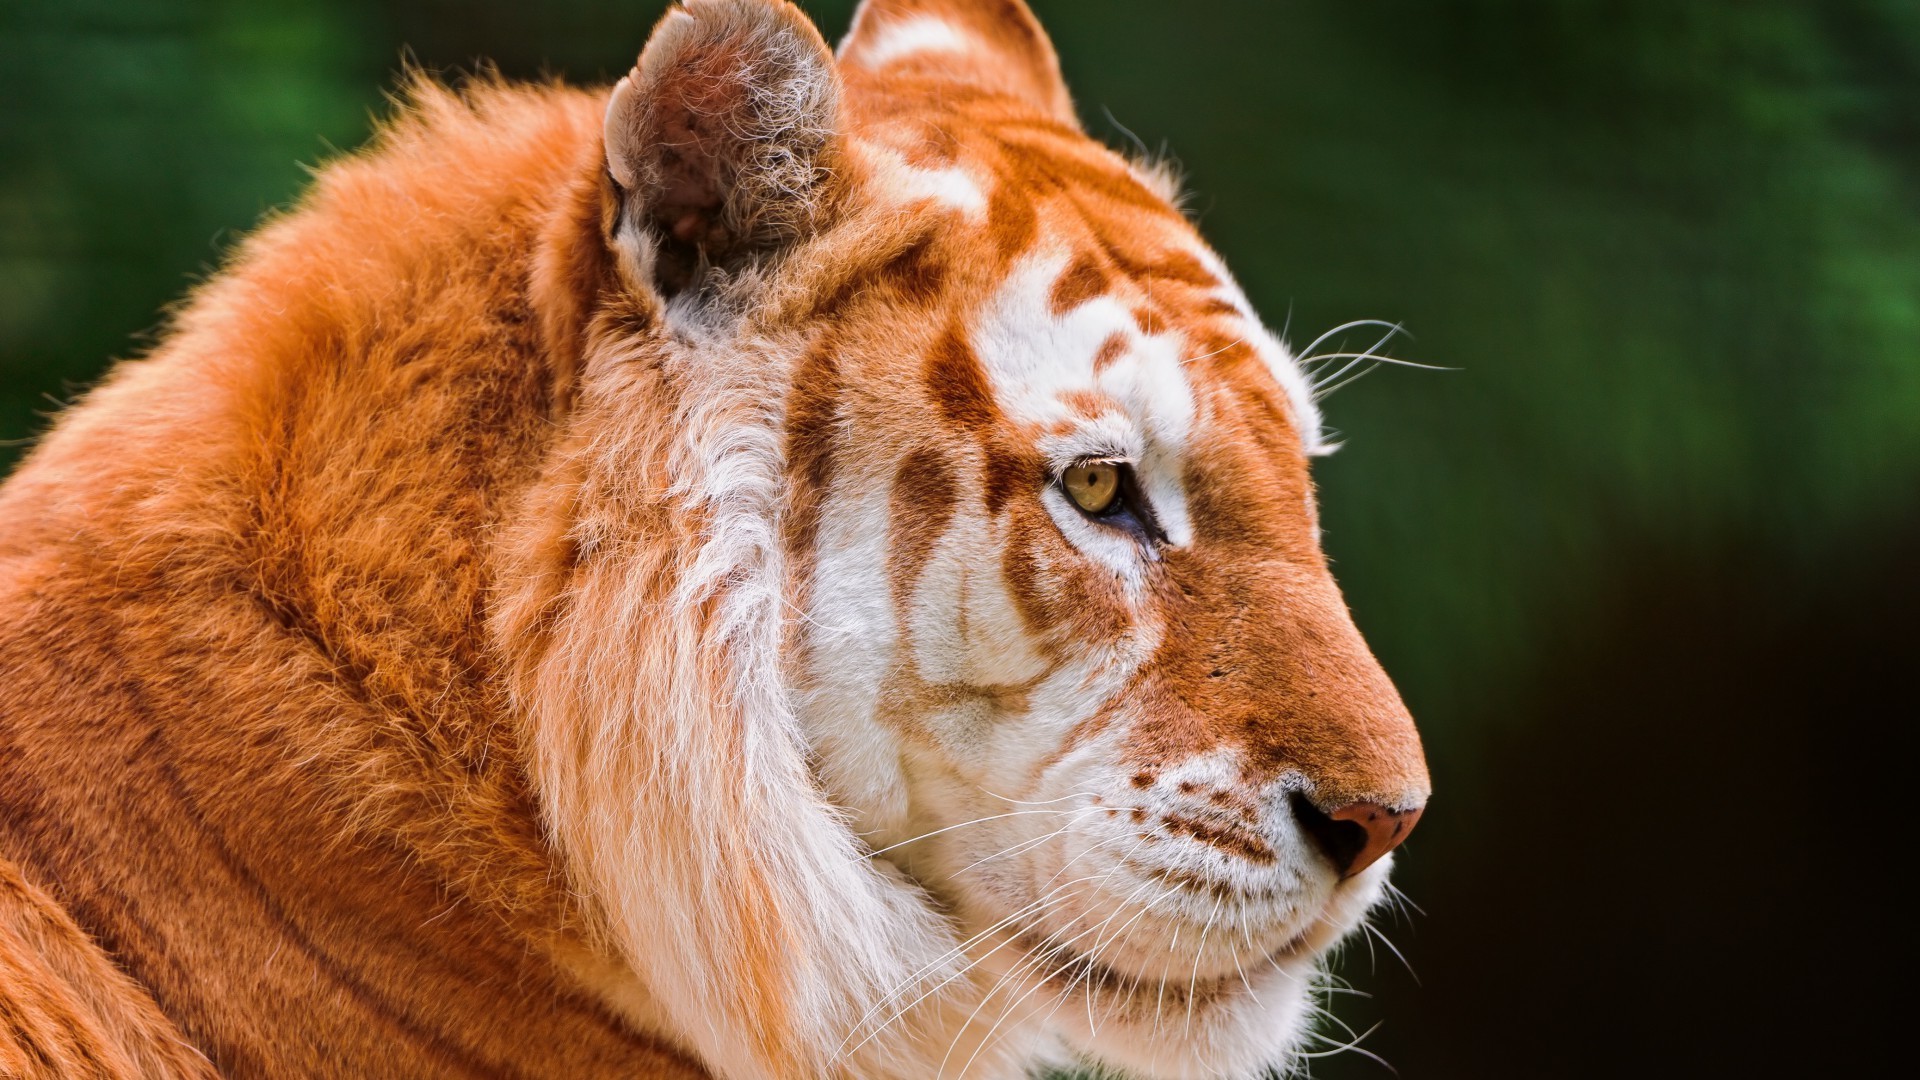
(723, 139)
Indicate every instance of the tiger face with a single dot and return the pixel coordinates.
(1057, 632)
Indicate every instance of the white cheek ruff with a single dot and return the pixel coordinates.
(851, 641)
(665, 747)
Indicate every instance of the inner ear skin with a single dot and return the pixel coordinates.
(691, 179)
(684, 211)
(723, 141)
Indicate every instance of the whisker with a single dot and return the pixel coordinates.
(1093, 953)
(1320, 1010)
(1193, 979)
(1352, 1047)
(960, 825)
(1345, 326)
(1009, 976)
(1321, 358)
(951, 954)
(959, 950)
(1025, 845)
(1033, 962)
(1402, 898)
(1321, 381)
(1246, 936)
(1398, 955)
(1043, 802)
(1224, 348)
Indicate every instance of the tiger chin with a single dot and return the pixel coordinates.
(802, 564)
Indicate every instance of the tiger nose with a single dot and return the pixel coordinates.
(1355, 836)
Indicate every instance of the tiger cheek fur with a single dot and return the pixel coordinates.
(1093, 746)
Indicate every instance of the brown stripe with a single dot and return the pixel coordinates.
(919, 508)
(1081, 282)
(1011, 470)
(959, 384)
(813, 414)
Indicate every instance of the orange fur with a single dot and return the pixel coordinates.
(400, 667)
(251, 738)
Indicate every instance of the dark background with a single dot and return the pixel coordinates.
(1643, 566)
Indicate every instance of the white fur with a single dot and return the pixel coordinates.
(953, 187)
(893, 42)
(612, 750)
(1034, 357)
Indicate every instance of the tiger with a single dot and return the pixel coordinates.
(800, 564)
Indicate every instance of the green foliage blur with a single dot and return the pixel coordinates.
(1640, 564)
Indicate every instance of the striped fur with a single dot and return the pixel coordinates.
(590, 593)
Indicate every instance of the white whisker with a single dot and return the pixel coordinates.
(960, 825)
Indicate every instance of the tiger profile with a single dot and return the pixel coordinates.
(797, 566)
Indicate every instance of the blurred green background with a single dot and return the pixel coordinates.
(1644, 566)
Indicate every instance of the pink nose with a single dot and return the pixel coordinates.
(1385, 829)
(1356, 835)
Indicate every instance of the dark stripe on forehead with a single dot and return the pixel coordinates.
(1080, 283)
(1181, 267)
(1076, 164)
(958, 384)
(1150, 265)
(1223, 353)
(1012, 218)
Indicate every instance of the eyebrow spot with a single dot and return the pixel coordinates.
(1111, 350)
(1086, 403)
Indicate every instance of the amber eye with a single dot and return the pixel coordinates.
(1092, 485)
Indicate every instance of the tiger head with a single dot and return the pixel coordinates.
(953, 506)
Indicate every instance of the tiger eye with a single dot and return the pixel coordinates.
(1092, 486)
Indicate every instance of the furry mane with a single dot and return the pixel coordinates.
(648, 651)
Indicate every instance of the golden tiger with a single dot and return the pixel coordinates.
(798, 566)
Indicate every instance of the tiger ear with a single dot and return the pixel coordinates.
(722, 141)
(992, 45)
